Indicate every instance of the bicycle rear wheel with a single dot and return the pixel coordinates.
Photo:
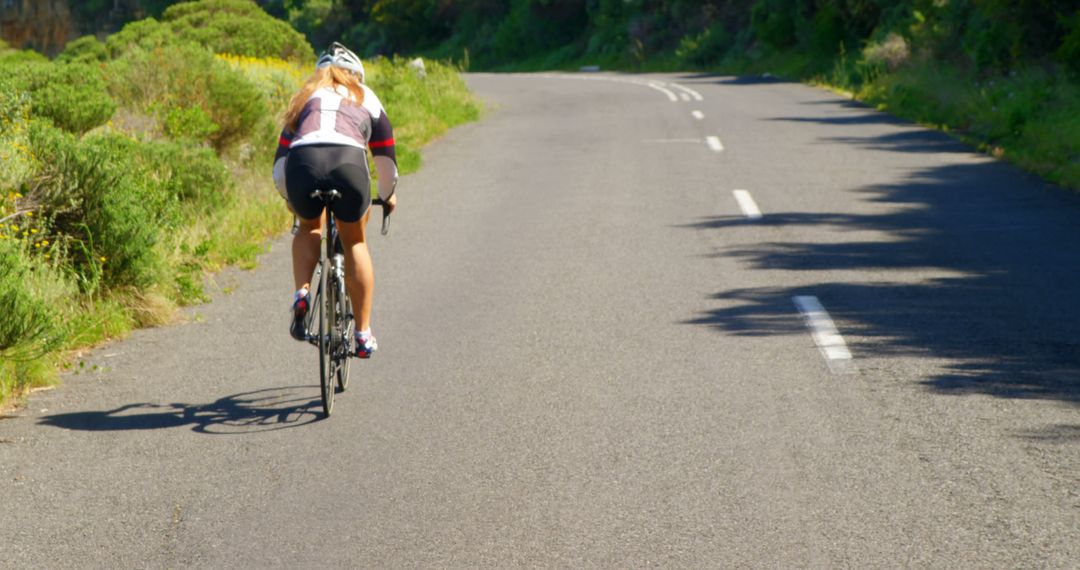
(326, 340)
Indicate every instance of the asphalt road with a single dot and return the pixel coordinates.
(592, 356)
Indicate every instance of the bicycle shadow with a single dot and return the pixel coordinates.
(248, 412)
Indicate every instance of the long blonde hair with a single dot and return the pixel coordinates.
(328, 76)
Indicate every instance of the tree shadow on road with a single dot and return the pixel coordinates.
(244, 413)
(736, 79)
(972, 264)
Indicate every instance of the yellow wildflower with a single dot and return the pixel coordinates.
(46, 242)
(103, 258)
(33, 231)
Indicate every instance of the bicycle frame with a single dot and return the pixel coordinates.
(333, 308)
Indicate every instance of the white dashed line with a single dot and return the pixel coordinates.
(659, 87)
(697, 96)
(684, 96)
(824, 333)
(698, 115)
(746, 202)
(714, 143)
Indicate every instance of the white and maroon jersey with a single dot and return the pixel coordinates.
(332, 116)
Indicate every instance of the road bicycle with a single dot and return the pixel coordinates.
(330, 326)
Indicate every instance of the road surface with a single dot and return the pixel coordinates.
(667, 321)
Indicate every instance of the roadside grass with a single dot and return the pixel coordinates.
(421, 107)
(1029, 118)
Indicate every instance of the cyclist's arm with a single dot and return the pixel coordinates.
(384, 154)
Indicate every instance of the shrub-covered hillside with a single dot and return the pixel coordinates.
(134, 165)
(1001, 74)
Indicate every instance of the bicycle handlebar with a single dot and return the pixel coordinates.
(385, 216)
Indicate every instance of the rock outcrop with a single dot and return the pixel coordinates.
(43, 25)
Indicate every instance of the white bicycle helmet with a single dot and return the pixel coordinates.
(338, 55)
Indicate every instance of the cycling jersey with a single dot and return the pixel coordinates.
(332, 117)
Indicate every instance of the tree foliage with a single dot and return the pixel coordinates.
(238, 27)
(995, 35)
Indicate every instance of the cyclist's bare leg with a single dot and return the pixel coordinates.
(359, 274)
(305, 251)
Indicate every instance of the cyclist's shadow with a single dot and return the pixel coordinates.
(247, 412)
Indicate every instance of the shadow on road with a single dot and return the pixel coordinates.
(245, 413)
(1056, 434)
(970, 263)
(735, 79)
(860, 119)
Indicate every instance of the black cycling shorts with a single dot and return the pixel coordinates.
(325, 167)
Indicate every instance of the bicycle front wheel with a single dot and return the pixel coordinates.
(326, 340)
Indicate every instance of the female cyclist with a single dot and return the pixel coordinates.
(329, 125)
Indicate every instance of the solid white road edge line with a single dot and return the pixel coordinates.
(746, 202)
(697, 96)
(714, 143)
(824, 333)
(698, 115)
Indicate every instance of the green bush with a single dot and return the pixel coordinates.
(223, 26)
(238, 27)
(123, 215)
(59, 198)
(192, 175)
(774, 22)
(235, 104)
(30, 326)
(826, 31)
(991, 42)
(10, 56)
(1069, 51)
(185, 75)
(73, 95)
(23, 56)
(706, 48)
(109, 214)
(87, 49)
(189, 123)
(147, 34)
(14, 100)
